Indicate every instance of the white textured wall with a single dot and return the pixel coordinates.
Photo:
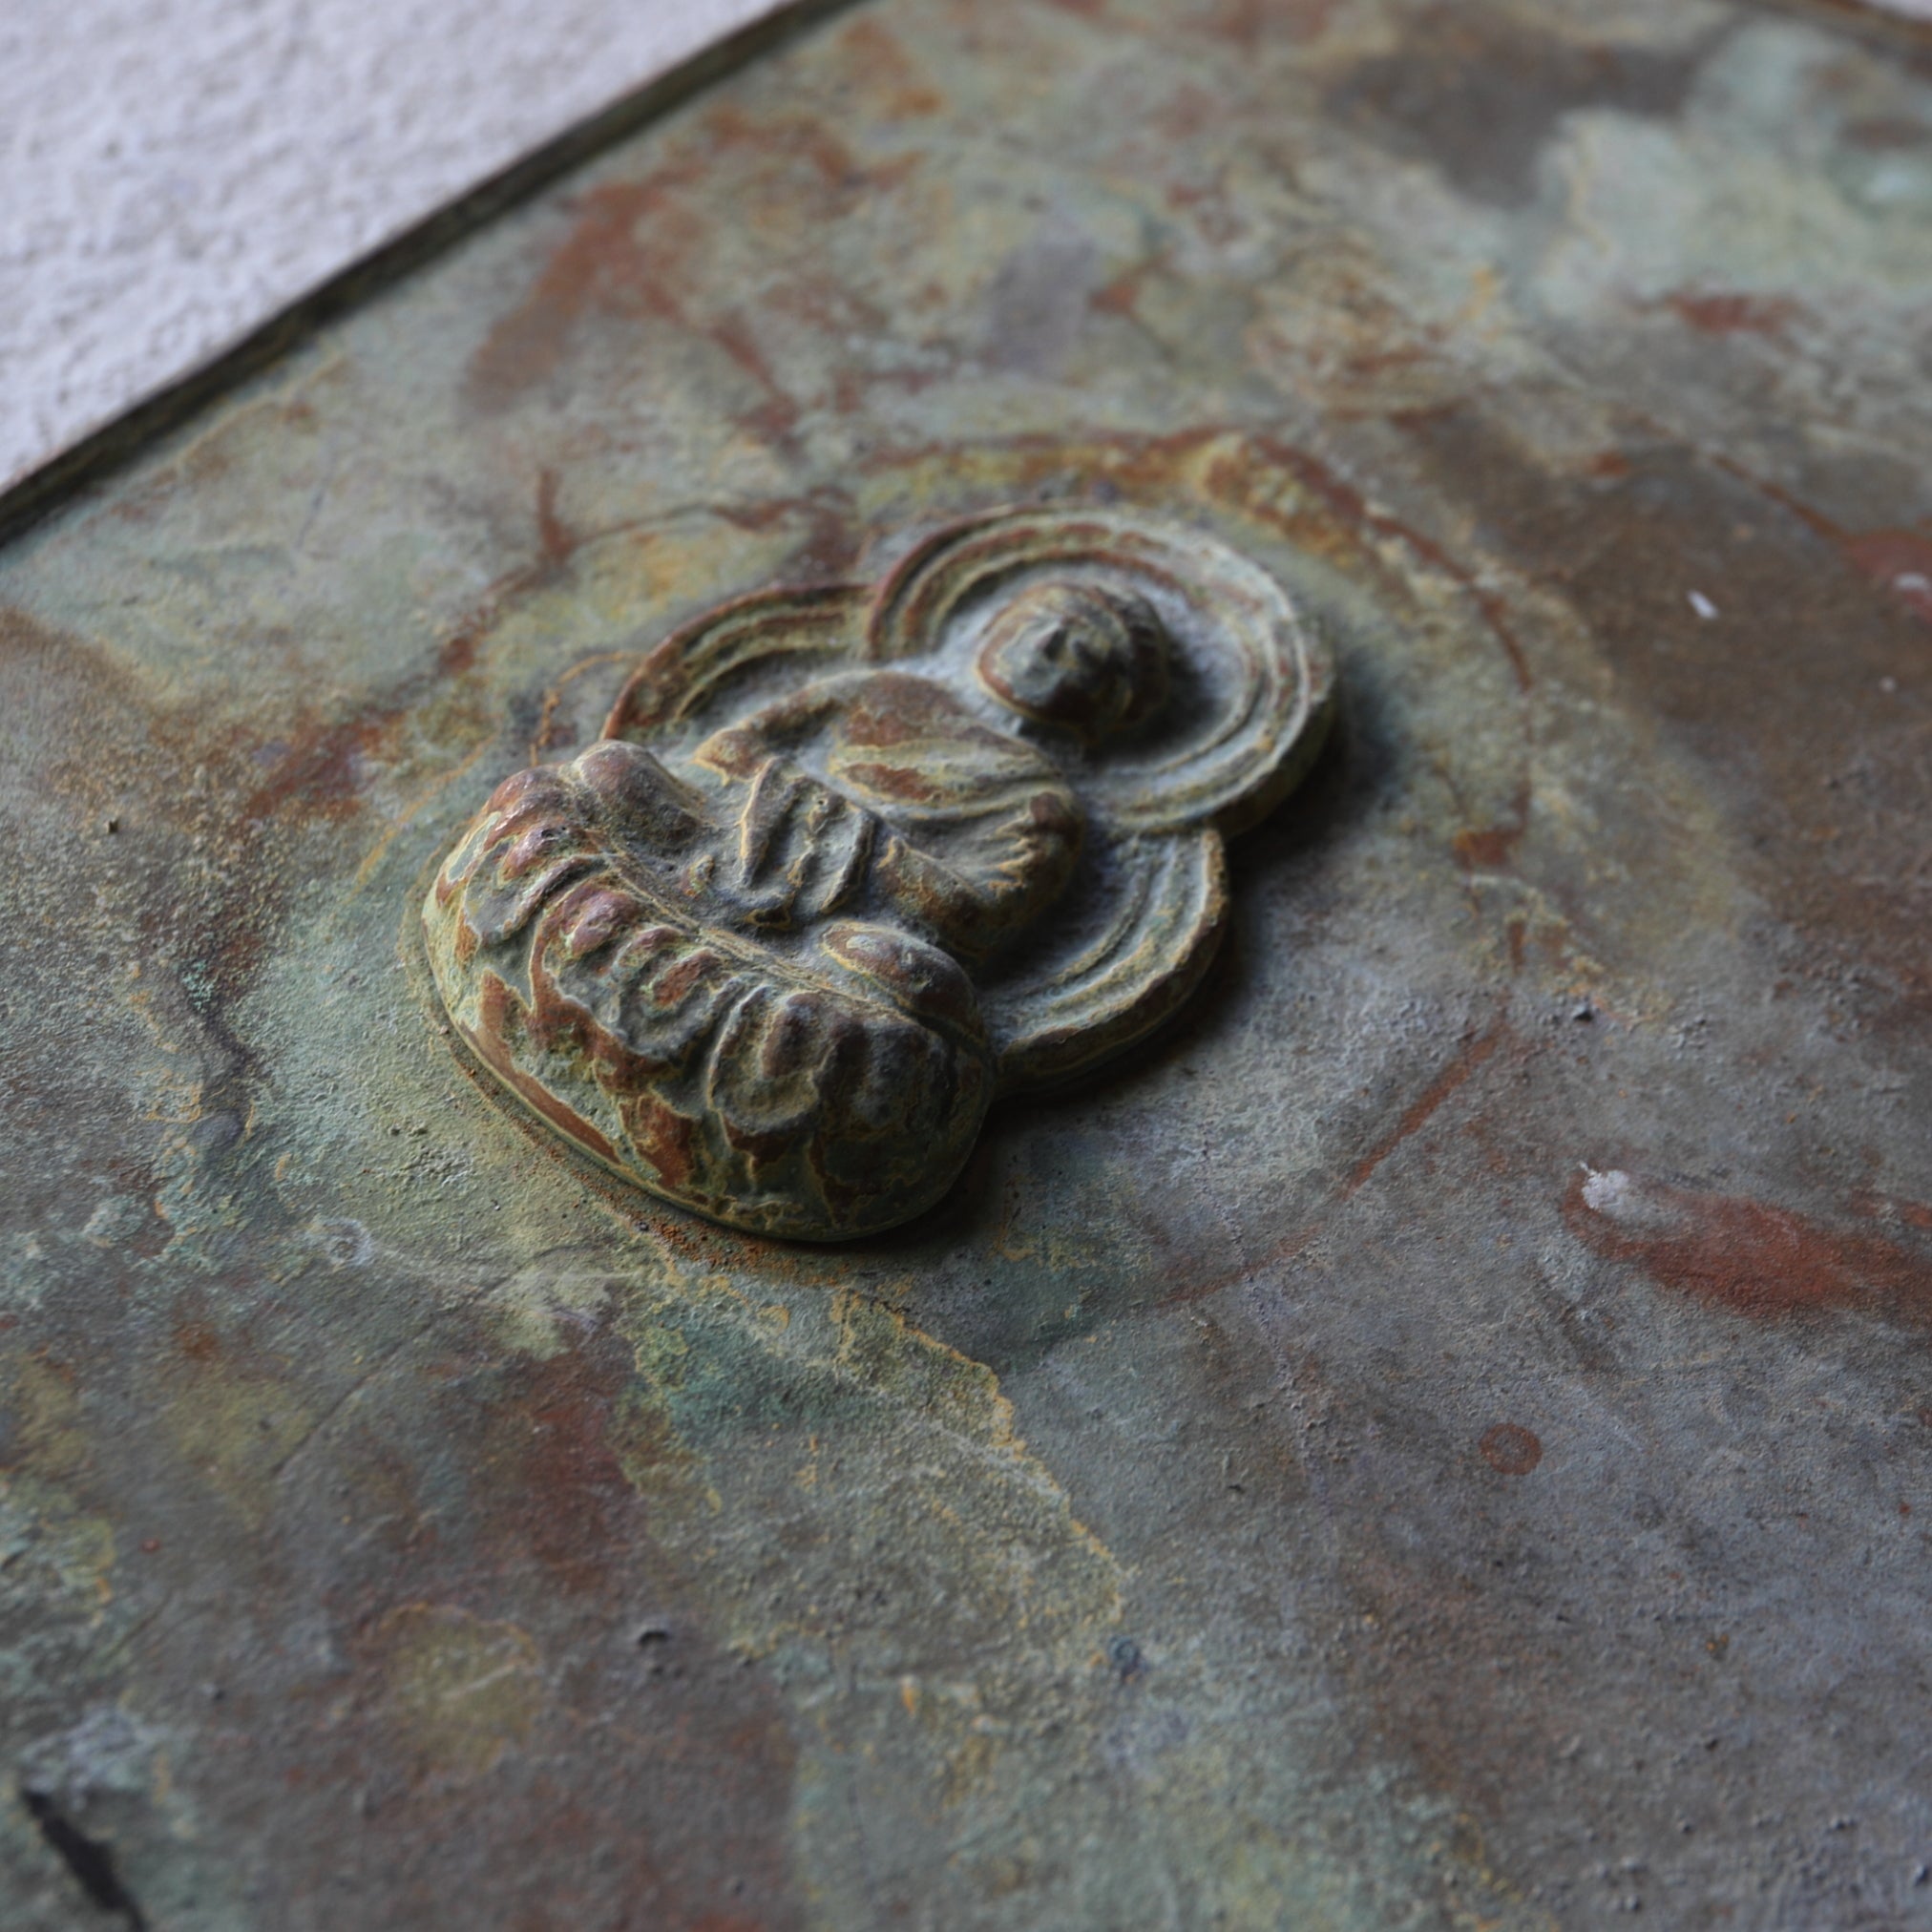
(171, 171)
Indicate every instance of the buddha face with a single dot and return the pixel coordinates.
(1088, 659)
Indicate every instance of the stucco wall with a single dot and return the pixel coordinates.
(171, 171)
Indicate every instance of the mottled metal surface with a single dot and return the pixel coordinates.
(1442, 1438)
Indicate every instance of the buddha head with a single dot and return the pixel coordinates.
(1087, 659)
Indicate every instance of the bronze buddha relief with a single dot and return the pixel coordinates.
(847, 863)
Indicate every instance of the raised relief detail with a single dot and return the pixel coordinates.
(847, 863)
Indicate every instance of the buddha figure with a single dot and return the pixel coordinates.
(770, 946)
(882, 786)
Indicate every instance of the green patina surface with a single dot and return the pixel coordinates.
(1443, 1439)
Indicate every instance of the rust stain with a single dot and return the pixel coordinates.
(1743, 1254)
(1509, 1449)
(899, 88)
(791, 138)
(1885, 20)
(626, 254)
(1898, 561)
(572, 1503)
(777, 416)
(555, 544)
(1355, 511)
(321, 772)
(570, 1775)
(635, 249)
(1492, 847)
(256, 807)
(1731, 313)
(1889, 131)
(1251, 24)
(1121, 295)
(198, 1340)
(1884, 1208)
(1422, 1108)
